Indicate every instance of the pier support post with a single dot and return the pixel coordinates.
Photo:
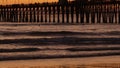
(54, 13)
(63, 18)
(67, 13)
(41, 13)
(87, 17)
(58, 13)
(77, 13)
(38, 14)
(49, 8)
(72, 14)
(45, 13)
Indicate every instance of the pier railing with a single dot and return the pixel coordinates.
(107, 12)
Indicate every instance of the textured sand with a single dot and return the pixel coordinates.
(93, 62)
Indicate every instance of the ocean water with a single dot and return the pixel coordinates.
(35, 41)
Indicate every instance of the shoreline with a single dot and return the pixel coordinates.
(42, 63)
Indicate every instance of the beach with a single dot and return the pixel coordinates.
(91, 62)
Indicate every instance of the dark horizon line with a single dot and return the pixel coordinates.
(50, 3)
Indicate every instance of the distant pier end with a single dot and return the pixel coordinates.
(63, 2)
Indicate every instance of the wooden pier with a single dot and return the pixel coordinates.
(82, 13)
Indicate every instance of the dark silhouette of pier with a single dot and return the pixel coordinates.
(69, 13)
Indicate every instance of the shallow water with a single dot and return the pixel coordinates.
(57, 41)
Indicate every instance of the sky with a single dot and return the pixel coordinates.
(4, 2)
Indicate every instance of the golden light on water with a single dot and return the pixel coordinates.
(5, 2)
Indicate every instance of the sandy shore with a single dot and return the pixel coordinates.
(91, 62)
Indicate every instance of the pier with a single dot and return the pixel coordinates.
(71, 13)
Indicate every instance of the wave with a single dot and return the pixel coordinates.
(61, 40)
(18, 50)
(57, 33)
(46, 56)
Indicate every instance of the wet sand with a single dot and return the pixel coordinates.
(91, 62)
